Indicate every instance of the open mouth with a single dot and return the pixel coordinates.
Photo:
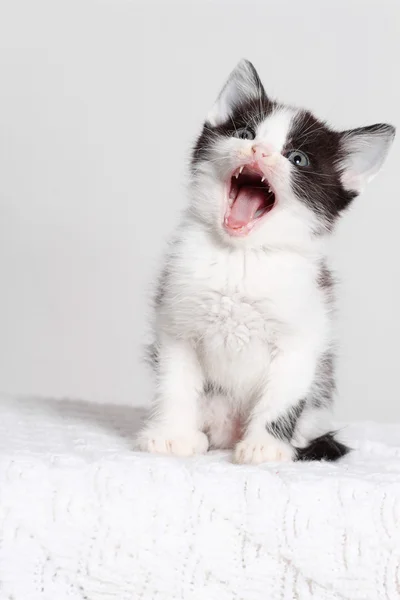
(250, 197)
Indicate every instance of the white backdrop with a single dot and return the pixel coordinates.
(99, 102)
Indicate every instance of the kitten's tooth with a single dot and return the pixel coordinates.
(241, 169)
(237, 174)
(263, 179)
(270, 191)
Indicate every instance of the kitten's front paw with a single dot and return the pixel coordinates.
(164, 442)
(263, 448)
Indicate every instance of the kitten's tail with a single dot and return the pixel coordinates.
(325, 447)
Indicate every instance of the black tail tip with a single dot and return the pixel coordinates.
(325, 447)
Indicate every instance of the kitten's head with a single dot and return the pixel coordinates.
(264, 173)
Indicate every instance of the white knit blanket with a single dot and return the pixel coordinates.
(82, 516)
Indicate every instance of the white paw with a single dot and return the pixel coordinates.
(262, 448)
(164, 442)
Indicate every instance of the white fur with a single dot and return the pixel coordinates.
(244, 313)
(227, 315)
(276, 126)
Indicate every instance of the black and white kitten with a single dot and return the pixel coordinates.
(243, 351)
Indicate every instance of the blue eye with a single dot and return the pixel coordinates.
(244, 133)
(298, 158)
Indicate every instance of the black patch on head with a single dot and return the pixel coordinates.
(323, 387)
(249, 113)
(325, 447)
(283, 428)
(318, 185)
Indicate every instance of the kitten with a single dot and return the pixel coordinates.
(243, 353)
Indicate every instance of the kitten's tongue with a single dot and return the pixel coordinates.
(243, 209)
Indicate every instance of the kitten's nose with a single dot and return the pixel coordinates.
(264, 154)
(261, 151)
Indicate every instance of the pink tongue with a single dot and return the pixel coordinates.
(247, 202)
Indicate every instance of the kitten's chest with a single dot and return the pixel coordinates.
(231, 299)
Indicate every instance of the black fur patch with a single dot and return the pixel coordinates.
(283, 428)
(319, 185)
(325, 447)
(249, 113)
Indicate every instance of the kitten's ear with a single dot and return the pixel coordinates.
(364, 152)
(243, 84)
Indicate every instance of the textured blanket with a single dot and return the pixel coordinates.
(82, 516)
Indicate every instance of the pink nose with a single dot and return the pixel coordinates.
(261, 151)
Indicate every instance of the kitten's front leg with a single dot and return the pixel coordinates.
(174, 427)
(273, 418)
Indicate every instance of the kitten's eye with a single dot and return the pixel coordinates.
(298, 158)
(244, 133)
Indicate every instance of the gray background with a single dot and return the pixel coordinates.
(99, 102)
